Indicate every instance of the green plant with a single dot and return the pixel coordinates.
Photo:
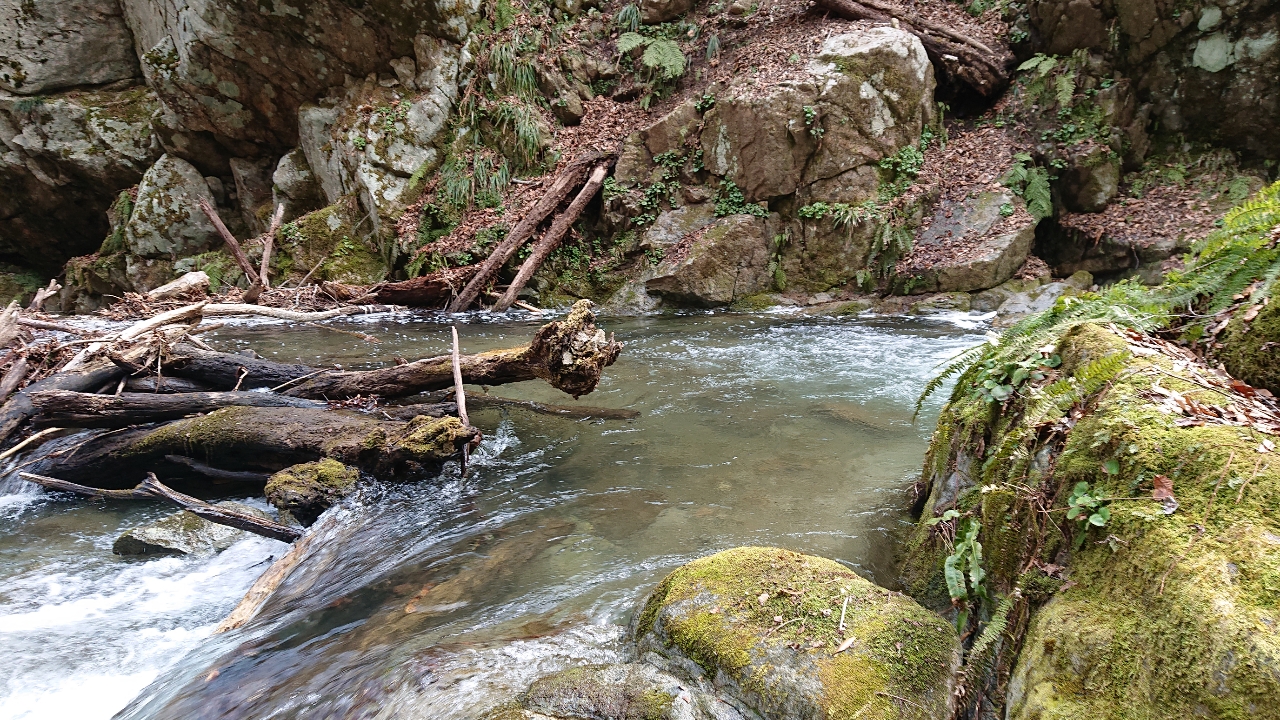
(705, 103)
(655, 256)
(502, 14)
(731, 201)
(963, 569)
(1030, 182)
(1088, 509)
(902, 168)
(713, 46)
(810, 121)
(998, 380)
(360, 142)
(628, 18)
(778, 244)
(611, 189)
(1006, 209)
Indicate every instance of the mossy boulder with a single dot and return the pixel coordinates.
(632, 691)
(763, 625)
(1165, 609)
(307, 490)
(184, 533)
(1251, 350)
(328, 238)
(976, 246)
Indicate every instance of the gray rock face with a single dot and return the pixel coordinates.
(1091, 179)
(726, 262)
(63, 160)
(375, 153)
(1212, 71)
(53, 44)
(167, 221)
(241, 69)
(183, 533)
(295, 186)
(979, 249)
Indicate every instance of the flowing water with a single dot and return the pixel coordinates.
(443, 598)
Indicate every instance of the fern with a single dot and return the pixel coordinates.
(665, 58)
(713, 46)
(994, 629)
(629, 41)
(1032, 184)
(1065, 86)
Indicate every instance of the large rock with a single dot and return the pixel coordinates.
(241, 69)
(653, 12)
(166, 220)
(726, 261)
(63, 161)
(1210, 71)
(295, 186)
(762, 624)
(184, 533)
(1163, 608)
(372, 140)
(975, 246)
(54, 44)
(1251, 348)
(305, 491)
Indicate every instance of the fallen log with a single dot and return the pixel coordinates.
(565, 182)
(151, 488)
(959, 57)
(215, 474)
(162, 384)
(583, 412)
(196, 281)
(63, 408)
(267, 244)
(19, 408)
(551, 240)
(569, 354)
(232, 244)
(262, 440)
(431, 290)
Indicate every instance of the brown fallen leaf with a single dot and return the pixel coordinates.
(848, 643)
(1163, 488)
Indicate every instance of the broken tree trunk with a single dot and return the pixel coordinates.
(560, 188)
(19, 408)
(960, 58)
(63, 408)
(232, 244)
(151, 488)
(260, 440)
(267, 244)
(551, 240)
(569, 354)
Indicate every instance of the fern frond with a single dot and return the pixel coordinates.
(1065, 86)
(664, 57)
(628, 17)
(629, 41)
(995, 628)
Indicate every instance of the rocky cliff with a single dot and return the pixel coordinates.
(766, 153)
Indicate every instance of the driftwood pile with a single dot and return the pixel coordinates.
(155, 399)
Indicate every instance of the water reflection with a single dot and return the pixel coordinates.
(443, 598)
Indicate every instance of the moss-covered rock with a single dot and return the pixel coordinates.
(1155, 609)
(631, 691)
(1251, 350)
(764, 625)
(307, 490)
(328, 238)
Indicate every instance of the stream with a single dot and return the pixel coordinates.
(444, 598)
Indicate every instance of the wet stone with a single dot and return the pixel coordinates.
(183, 533)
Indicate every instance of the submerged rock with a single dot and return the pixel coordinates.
(632, 691)
(762, 624)
(305, 491)
(183, 533)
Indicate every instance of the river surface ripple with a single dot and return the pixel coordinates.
(443, 598)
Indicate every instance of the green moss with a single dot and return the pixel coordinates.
(754, 303)
(328, 241)
(720, 611)
(1251, 351)
(1165, 614)
(428, 438)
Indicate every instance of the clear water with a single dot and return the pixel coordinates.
(444, 598)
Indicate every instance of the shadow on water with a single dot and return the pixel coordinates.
(444, 598)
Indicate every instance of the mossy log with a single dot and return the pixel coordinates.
(65, 408)
(569, 354)
(262, 440)
(432, 290)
